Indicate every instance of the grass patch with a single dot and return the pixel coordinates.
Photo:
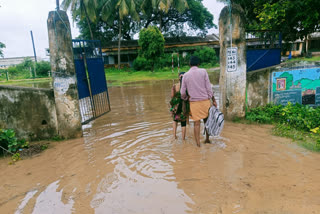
(305, 139)
(298, 122)
(117, 77)
(312, 59)
(25, 82)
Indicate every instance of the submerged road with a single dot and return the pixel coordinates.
(128, 162)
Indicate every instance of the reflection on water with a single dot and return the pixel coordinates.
(25, 200)
(142, 153)
(213, 76)
(51, 201)
(135, 162)
(128, 162)
(31, 84)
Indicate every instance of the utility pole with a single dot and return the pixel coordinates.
(35, 55)
(58, 7)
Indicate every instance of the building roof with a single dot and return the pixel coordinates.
(14, 58)
(191, 42)
(11, 61)
(315, 35)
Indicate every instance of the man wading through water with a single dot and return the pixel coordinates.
(196, 83)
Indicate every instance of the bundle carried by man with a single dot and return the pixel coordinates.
(215, 122)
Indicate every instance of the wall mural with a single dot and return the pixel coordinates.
(296, 86)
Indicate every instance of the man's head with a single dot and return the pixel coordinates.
(194, 61)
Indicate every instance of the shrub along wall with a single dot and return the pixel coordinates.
(206, 55)
(30, 112)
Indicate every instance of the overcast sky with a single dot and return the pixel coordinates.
(19, 17)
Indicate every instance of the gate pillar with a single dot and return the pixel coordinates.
(63, 75)
(232, 62)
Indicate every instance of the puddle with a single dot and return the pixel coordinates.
(128, 162)
(50, 201)
(25, 201)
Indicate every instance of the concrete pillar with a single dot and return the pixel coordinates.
(63, 75)
(232, 66)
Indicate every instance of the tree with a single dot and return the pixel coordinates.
(195, 19)
(294, 18)
(180, 18)
(162, 7)
(108, 31)
(82, 8)
(206, 55)
(151, 42)
(1, 47)
(43, 68)
(122, 9)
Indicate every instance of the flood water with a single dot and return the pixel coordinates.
(34, 84)
(128, 162)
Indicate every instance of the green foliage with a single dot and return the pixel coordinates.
(15, 157)
(174, 20)
(206, 55)
(57, 138)
(43, 68)
(301, 117)
(174, 16)
(295, 18)
(123, 8)
(166, 61)
(264, 114)
(81, 8)
(1, 47)
(176, 107)
(151, 42)
(298, 122)
(25, 70)
(163, 5)
(272, 14)
(9, 141)
(141, 63)
(44, 147)
(108, 31)
(305, 139)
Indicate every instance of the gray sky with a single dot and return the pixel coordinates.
(18, 17)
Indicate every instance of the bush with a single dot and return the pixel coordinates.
(43, 68)
(25, 70)
(206, 55)
(9, 141)
(151, 42)
(141, 63)
(301, 117)
(165, 61)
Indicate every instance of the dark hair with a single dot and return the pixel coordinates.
(194, 61)
(181, 73)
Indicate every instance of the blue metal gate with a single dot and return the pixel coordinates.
(91, 80)
(263, 49)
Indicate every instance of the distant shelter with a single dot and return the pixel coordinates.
(183, 45)
(13, 61)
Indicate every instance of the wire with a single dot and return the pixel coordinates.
(65, 25)
(56, 36)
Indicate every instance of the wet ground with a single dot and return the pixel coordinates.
(128, 162)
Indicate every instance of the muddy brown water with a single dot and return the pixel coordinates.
(128, 162)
